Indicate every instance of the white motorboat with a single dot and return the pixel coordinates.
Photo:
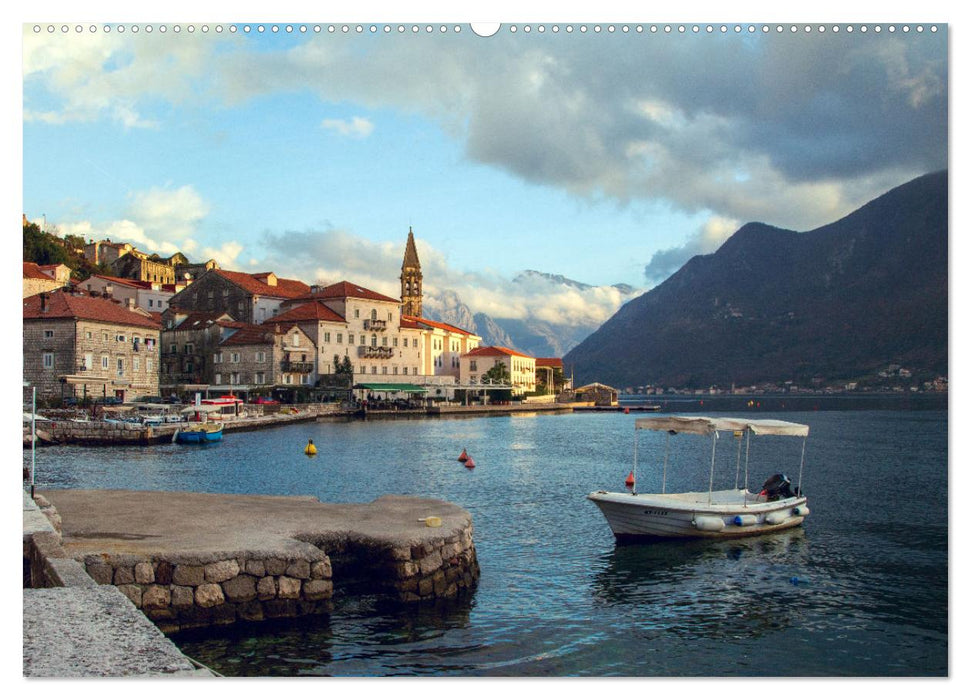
(735, 512)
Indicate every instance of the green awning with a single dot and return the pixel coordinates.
(406, 388)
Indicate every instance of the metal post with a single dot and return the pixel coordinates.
(802, 459)
(664, 470)
(33, 437)
(711, 473)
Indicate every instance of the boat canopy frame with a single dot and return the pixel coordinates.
(704, 425)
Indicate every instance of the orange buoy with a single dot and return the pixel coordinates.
(470, 463)
(464, 456)
(626, 410)
(629, 482)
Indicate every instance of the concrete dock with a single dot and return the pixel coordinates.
(184, 560)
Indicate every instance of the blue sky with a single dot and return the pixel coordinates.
(606, 157)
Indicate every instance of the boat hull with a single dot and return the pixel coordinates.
(652, 517)
(195, 437)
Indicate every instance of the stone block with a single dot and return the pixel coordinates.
(288, 587)
(183, 596)
(163, 573)
(187, 575)
(425, 587)
(298, 568)
(405, 569)
(133, 592)
(280, 608)
(401, 553)
(161, 614)
(101, 572)
(266, 588)
(220, 571)
(251, 611)
(317, 589)
(209, 595)
(240, 589)
(321, 569)
(123, 575)
(156, 597)
(144, 573)
(430, 564)
(255, 567)
(276, 567)
(224, 614)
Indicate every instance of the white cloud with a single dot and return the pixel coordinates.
(356, 127)
(325, 257)
(706, 239)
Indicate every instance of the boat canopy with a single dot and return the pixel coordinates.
(703, 425)
(205, 408)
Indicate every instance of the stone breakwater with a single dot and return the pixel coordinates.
(190, 560)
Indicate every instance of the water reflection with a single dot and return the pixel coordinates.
(708, 589)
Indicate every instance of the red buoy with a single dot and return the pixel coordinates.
(464, 456)
(629, 482)
(470, 463)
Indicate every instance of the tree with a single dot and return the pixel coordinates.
(498, 374)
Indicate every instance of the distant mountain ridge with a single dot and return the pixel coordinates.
(772, 305)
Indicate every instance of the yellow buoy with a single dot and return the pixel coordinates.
(310, 449)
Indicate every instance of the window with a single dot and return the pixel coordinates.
(120, 337)
(374, 314)
(188, 348)
(374, 341)
(395, 368)
(149, 365)
(296, 339)
(404, 370)
(350, 339)
(48, 360)
(404, 342)
(218, 378)
(287, 379)
(363, 339)
(261, 356)
(384, 341)
(104, 362)
(87, 335)
(472, 366)
(234, 357)
(217, 358)
(48, 334)
(173, 348)
(234, 378)
(120, 366)
(260, 378)
(395, 341)
(357, 313)
(340, 338)
(327, 337)
(150, 303)
(374, 370)
(384, 370)
(88, 362)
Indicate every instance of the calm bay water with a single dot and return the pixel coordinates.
(860, 590)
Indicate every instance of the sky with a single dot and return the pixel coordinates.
(603, 156)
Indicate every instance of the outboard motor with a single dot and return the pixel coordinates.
(778, 486)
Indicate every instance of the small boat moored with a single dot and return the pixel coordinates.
(735, 512)
(198, 433)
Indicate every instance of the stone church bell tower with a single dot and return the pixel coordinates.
(411, 279)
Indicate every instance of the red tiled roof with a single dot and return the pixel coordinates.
(32, 271)
(436, 324)
(342, 290)
(284, 289)
(125, 281)
(549, 362)
(250, 335)
(62, 305)
(493, 351)
(311, 311)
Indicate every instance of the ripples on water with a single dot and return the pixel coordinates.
(860, 590)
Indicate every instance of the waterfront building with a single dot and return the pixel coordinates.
(82, 346)
(153, 297)
(44, 278)
(189, 340)
(250, 298)
(549, 373)
(444, 346)
(411, 292)
(520, 368)
(262, 359)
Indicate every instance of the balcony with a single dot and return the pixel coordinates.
(372, 352)
(375, 325)
(297, 367)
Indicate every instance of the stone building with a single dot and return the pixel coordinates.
(250, 298)
(81, 346)
(599, 394)
(105, 252)
(189, 341)
(44, 278)
(263, 358)
(146, 268)
(521, 368)
(411, 292)
(444, 345)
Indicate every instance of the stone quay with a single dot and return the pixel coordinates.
(193, 559)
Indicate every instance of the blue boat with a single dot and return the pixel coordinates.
(200, 433)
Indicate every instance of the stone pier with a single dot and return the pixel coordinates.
(193, 559)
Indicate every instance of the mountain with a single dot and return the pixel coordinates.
(837, 303)
(531, 335)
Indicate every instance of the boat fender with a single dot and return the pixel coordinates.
(708, 523)
(801, 510)
(777, 517)
(745, 520)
